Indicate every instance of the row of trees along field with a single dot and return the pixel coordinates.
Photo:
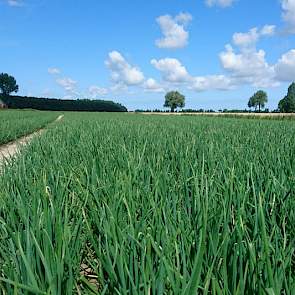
(8, 85)
(174, 100)
(286, 105)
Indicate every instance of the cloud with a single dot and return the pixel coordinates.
(184, 18)
(175, 74)
(242, 64)
(248, 67)
(68, 84)
(54, 71)
(250, 38)
(96, 91)
(151, 85)
(15, 3)
(285, 67)
(246, 64)
(246, 39)
(174, 30)
(119, 88)
(122, 72)
(288, 7)
(213, 82)
(172, 70)
(268, 30)
(221, 3)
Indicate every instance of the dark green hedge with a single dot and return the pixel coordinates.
(52, 104)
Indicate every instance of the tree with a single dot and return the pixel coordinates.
(7, 84)
(287, 104)
(174, 100)
(259, 99)
(251, 102)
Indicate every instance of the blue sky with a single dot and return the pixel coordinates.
(216, 52)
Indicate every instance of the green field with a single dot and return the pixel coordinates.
(14, 123)
(151, 205)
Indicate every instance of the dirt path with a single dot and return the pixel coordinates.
(9, 150)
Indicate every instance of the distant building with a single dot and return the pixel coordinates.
(2, 105)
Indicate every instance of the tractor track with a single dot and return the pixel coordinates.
(11, 149)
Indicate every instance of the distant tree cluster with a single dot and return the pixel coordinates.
(50, 104)
(7, 84)
(174, 100)
(258, 100)
(197, 111)
(287, 104)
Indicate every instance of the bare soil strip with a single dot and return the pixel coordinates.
(9, 150)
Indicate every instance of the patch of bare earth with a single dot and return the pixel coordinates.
(10, 150)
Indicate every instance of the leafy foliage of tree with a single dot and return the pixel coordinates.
(49, 104)
(259, 99)
(287, 104)
(7, 84)
(174, 100)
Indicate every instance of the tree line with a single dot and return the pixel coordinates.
(53, 104)
(173, 100)
(258, 100)
(8, 85)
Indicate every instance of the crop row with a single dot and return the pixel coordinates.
(14, 124)
(151, 205)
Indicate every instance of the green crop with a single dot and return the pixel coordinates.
(152, 205)
(15, 123)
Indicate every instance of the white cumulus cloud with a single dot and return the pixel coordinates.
(246, 39)
(285, 67)
(172, 70)
(288, 14)
(174, 30)
(250, 38)
(221, 3)
(248, 67)
(268, 30)
(211, 82)
(175, 74)
(151, 85)
(242, 64)
(96, 91)
(246, 64)
(67, 83)
(54, 71)
(123, 73)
